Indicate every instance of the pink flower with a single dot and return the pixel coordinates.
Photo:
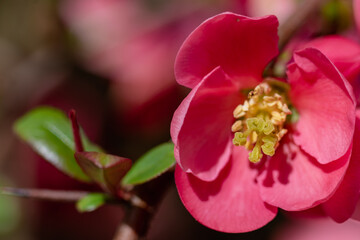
(320, 229)
(282, 9)
(356, 6)
(293, 163)
(347, 61)
(134, 43)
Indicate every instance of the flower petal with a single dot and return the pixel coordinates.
(347, 60)
(293, 180)
(201, 126)
(319, 229)
(356, 214)
(325, 102)
(231, 203)
(242, 46)
(347, 195)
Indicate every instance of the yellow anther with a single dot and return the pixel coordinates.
(286, 109)
(253, 137)
(277, 96)
(269, 99)
(280, 134)
(253, 101)
(278, 118)
(262, 88)
(239, 112)
(237, 126)
(246, 106)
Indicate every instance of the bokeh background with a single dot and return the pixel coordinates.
(112, 61)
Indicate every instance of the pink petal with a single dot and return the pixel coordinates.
(356, 214)
(201, 126)
(319, 229)
(347, 195)
(326, 105)
(242, 46)
(347, 60)
(231, 203)
(356, 7)
(293, 180)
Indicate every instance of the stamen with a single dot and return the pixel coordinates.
(237, 126)
(260, 120)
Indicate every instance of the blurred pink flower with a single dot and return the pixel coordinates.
(320, 229)
(223, 58)
(134, 43)
(282, 9)
(356, 6)
(122, 42)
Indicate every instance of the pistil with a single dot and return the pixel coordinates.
(259, 124)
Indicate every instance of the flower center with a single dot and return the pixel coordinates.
(260, 120)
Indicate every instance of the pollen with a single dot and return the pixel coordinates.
(259, 121)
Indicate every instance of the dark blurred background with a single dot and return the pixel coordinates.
(112, 61)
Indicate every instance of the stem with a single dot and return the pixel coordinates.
(51, 195)
(306, 9)
(137, 220)
(71, 196)
(136, 201)
(76, 131)
(126, 232)
(134, 225)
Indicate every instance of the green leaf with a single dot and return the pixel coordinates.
(49, 133)
(91, 202)
(105, 169)
(152, 164)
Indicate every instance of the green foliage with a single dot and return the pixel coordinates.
(48, 131)
(91, 202)
(152, 164)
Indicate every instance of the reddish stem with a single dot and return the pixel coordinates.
(76, 131)
(71, 196)
(44, 194)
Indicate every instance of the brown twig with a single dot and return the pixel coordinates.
(72, 196)
(44, 194)
(306, 9)
(126, 232)
(134, 225)
(136, 201)
(137, 220)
